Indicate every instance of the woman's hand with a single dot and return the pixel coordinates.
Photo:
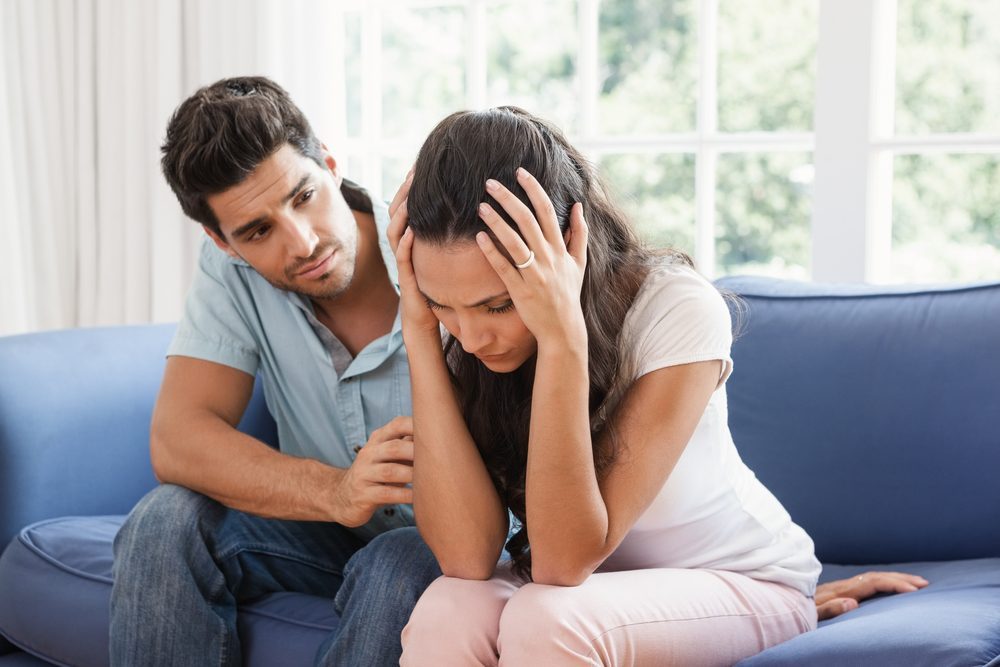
(398, 213)
(418, 319)
(545, 286)
(419, 322)
(836, 597)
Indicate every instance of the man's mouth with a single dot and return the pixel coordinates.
(317, 268)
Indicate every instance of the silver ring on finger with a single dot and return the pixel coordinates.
(526, 263)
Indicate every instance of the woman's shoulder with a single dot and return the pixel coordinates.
(673, 288)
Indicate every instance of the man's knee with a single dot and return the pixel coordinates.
(400, 556)
(167, 517)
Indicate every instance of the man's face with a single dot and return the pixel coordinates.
(289, 221)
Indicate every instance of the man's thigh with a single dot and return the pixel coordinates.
(259, 555)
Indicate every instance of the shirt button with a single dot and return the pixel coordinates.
(357, 449)
(389, 511)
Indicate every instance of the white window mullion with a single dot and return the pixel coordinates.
(587, 59)
(878, 259)
(371, 97)
(475, 54)
(708, 121)
(852, 199)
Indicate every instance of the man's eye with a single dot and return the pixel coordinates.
(259, 233)
(306, 196)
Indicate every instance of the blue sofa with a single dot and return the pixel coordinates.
(872, 413)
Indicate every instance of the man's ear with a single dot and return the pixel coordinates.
(331, 164)
(221, 243)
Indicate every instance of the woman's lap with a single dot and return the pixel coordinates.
(657, 616)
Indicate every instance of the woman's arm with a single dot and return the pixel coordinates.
(574, 519)
(457, 509)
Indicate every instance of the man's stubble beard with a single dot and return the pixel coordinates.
(323, 291)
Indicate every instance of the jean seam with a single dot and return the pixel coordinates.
(269, 550)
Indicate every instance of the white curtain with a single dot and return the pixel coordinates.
(89, 232)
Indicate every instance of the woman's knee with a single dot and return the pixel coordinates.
(466, 612)
(545, 624)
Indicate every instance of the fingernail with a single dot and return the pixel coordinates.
(521, 173)
(492, 185)
(483, 209)
(481, 238)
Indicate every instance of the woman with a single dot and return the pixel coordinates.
(582, 389)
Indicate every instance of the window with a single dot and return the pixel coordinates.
(700, 114)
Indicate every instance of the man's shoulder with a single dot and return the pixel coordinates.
(214, 261)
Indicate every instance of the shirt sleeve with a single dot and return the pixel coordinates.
(683, 319)
(213, 327)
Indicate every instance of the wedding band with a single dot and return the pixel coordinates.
(526, 263)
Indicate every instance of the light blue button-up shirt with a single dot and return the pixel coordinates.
(234, 317)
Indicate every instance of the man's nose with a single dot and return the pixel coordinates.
(302, 239)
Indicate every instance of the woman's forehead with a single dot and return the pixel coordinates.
(456, 274)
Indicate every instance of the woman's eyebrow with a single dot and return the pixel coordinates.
(481, 302)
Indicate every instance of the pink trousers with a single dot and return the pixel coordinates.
(639, 617)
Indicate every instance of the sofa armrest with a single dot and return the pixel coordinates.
(75, 407)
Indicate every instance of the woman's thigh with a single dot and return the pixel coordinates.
(650, 617)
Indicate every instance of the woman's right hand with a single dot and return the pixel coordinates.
(419, 321)
(397, 212)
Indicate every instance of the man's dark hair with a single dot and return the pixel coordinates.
(219, 135)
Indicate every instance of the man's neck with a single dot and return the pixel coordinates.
(367, 309)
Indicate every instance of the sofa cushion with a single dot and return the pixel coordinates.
(22, 659)
(56, 582)
(872, 413)
(954, 621)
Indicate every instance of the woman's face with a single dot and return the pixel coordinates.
(471, 301)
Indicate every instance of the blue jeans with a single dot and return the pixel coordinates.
(184, 563)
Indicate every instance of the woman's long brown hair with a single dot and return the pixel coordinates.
(449, 180)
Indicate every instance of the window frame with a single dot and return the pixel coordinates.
(852, 143)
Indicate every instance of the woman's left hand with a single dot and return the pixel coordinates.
(546, 289)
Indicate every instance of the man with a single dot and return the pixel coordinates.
(297, 285)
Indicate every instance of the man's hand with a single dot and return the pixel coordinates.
(378, 476)
(836, 597)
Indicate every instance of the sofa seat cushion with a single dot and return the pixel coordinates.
(55, 591)
(953, 621)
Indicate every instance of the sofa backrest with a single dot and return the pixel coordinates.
(873, 414)
(75, 407)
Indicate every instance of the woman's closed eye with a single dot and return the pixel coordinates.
(502, 308)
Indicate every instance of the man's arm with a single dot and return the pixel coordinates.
(194, 443)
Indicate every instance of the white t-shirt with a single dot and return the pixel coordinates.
(712, 511)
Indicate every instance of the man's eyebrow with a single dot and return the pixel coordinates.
(242, 230)
(481, 302)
